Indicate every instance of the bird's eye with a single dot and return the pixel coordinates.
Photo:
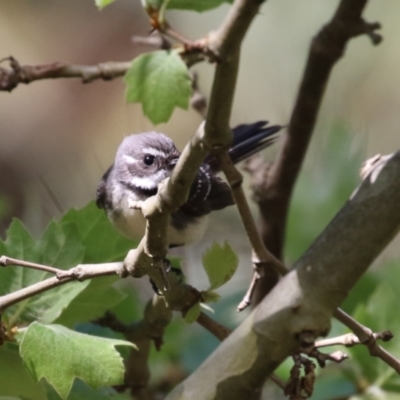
(148, 159)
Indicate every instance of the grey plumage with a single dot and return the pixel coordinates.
(144, 160)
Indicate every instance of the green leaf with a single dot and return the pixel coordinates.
(131, 307)
(15, 380)
(193, 313)
(220, 263)
(160, 81)
(59, 247)
(196, 5)
(331, 173)
(103, 3)
(100, 240)
(93, 302)
(210, 297)
(60, 355)
(81, 391)
(81, 236)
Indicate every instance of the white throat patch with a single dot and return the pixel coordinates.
(148, 182)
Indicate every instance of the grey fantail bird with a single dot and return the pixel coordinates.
(144, 160)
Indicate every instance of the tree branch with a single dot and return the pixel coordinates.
(215, 136)
(80, 272)
(305, 299)
(10, 78)
(368, 338)
(263, 260)
(218, 330)
(350, 339)
(5, 261)
(274, 193)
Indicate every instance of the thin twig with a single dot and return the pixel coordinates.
(246, 301)
(4, 261)
(16, 74)
(322, 358)
(235, 179)
(11, 77)
(80, 272)
(157, 41)
(367, 337)
(262, 257)
(218, 330)
(350, 339)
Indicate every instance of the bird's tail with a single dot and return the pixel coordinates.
(248, 139)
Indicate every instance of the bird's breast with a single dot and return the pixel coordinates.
(129, 223)
(132, 224)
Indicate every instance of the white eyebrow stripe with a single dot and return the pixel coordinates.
(154, 152)
(130, 160)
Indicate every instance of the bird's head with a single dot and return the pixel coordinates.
(144, 160)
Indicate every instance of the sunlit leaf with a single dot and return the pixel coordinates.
(160, 81)
(220, 263)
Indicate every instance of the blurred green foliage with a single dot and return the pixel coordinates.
(160, 81)
(325, 183)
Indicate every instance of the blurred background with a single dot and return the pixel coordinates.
(57, 137)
